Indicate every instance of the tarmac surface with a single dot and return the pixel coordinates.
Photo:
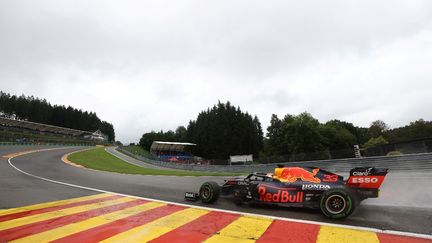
(404, 205)
(130, 160)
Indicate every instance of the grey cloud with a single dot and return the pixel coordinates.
(147, 57)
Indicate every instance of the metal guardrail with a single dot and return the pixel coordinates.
(417, 162)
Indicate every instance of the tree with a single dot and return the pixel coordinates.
(338, 139)
(225, 130)
(415, 130)
(181, 134)
(420, 129)
(147, 139)
(373, 142)
(377, 128)
(107, 129)
(304, 135)
(298, 136)
(276, 143)
(360, 133)
(258, 135)
(38, 110)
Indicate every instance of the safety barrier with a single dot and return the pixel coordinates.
(417, 162)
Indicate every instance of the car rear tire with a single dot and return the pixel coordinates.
(337, 203)
(209, 192)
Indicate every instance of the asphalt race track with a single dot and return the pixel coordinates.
(403, 206)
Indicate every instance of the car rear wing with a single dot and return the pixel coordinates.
(366, 177)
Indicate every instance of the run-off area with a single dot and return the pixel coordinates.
(112, 218)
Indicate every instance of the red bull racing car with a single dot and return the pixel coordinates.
(299, 187)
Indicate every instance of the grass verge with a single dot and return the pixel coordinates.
(135, 149)
(99, 159)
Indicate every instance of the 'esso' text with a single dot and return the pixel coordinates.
(364, 180)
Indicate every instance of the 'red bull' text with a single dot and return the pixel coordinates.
(281, 196)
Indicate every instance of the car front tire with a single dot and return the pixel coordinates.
(209, 192)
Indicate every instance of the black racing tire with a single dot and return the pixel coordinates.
(337, 203)
(209, 192)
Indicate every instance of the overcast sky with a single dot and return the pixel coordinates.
(152, 65)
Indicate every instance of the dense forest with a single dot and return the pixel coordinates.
(33, 109)
(218, 132)
(225, 130)
(148, 138)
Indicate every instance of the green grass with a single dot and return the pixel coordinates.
(135, 149)
(99, 159)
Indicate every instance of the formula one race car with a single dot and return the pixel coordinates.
(299, 187)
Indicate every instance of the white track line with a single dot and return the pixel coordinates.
(400, 233)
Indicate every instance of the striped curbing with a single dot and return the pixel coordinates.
(65, 159)
(112, 218)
